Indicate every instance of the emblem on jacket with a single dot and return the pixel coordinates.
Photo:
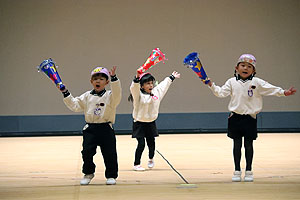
(250, 91)
(154, 97)
(97, 111)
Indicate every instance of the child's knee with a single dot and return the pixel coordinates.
(88, 152)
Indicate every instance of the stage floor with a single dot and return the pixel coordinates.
(50, 168)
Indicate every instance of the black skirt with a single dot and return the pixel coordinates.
(242, 126)
(144, 129)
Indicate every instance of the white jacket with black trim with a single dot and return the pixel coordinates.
(145, 106)
(246, 96)
(96, 108)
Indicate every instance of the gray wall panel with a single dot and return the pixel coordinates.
(166, 123)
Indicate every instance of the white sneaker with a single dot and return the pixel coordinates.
(86, 179)
(248, 176)
(150, 163)
(111, 181)
(237, 176)
(138, 168)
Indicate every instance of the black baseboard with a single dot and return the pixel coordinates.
(167, 123)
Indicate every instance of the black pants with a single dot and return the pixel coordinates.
(141, 146)
(104, 136)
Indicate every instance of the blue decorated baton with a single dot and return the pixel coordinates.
(192, 61)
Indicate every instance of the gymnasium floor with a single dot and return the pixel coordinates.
(50, 168)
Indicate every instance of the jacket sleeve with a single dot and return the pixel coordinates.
(135, 90)
(223, 91)
(163, 87)
(268, 89)
(116, 92)
(75, 104)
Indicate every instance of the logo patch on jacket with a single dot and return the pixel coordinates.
(250, 91)
(98, 110)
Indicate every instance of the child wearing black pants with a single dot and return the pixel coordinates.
(104, 136)
(99, 107)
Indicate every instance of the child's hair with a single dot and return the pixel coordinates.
(143, 79)
(146, 78)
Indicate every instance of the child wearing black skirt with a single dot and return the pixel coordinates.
(146, 99)
(246, 93)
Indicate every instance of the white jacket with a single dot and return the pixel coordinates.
(97, 109)
(146, 107)
(246, 96)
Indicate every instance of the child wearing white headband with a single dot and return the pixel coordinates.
(246, 93)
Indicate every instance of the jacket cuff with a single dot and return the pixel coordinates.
(66, 93)
(136, 80)
(113, 78)
(172, 77)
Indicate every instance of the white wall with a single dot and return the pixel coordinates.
(79, 35)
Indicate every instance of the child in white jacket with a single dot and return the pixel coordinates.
(99, 107)
(146, 99)
(246, 93)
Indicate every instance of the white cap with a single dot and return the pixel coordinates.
(100, 70)
(248, 58)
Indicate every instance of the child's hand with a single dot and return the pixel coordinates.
(290, 91)
(113, 71)
(176, 74)
(138, 73)
(209, 83)
(64, 89)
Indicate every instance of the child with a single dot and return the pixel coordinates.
(246, 93)
(146, 100)
(99, 107)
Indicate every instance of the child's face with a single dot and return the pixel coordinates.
(245, 70)
(148, 86)
(99, 82)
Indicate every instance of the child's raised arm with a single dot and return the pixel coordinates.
(115, 87)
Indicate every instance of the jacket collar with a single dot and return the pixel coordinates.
(238, 77)
(100, 94)
(144, 92)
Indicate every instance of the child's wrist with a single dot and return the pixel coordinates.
(286, 93)
(113, 78)
(209, 83)
(206, 82)
(172, 77)
(65, 93)
(136, 79)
